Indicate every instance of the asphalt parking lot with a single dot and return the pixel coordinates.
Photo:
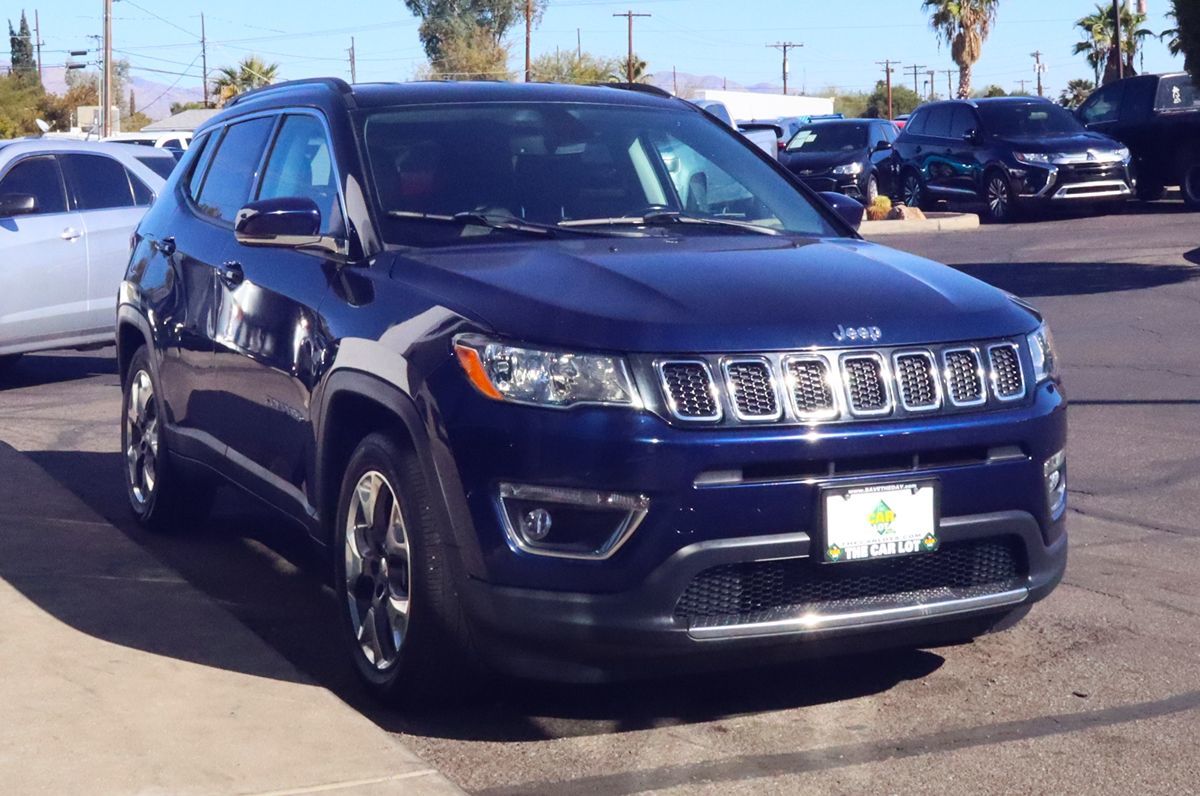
(1097, 690)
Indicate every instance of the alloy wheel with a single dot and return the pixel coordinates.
(378, 570)
(912, 190)
(872, 190)
(999, 198)
(142, 432)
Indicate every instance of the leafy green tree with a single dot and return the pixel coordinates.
(180, 107)
(445, 20)
(991, 91)
(639, 73)
(904, 100)
(20, 45)
(584, 68)
(1187, 17)
(851, 104)
(471, 54)
(20, 101)
(1075, 93)
(964, 25)
(248, 74)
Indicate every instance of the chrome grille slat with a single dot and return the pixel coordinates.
(752, 391)
(691, 393)
(917, 381)
(810, 387)
(964, 377)
(865, 378)
(1008, 383)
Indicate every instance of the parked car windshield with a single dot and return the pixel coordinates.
(816, 138)
(575, 168)
(1030, 119)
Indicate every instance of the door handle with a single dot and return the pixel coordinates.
(71, 234)
(920, 149)
(231, 273)
(166, 245)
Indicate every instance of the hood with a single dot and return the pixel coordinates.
(819, 161)
(708, 294)
(1066, 142)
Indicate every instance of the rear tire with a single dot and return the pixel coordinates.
(1190, 184)
(401, 615)
(1150, 190)
(162, 496)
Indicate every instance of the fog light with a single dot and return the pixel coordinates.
(569, 523)
(1054, 470)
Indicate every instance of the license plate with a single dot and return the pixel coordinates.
(868, 522)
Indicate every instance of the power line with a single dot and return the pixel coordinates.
(629, 15)
(916, 70)
(784, 46)
(888, 70)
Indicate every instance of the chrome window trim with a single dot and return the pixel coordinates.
(933, 372)
(672, 406)
(726, 362)
(885, 378)
(831, 381)
(979, 371)
(1020, 372)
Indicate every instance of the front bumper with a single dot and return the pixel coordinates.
(847, 184)
(1086, 182)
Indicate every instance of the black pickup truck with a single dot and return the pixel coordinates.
(1158, 118)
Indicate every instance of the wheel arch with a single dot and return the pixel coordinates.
(133, 331)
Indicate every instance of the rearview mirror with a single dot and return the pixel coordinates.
(850, 210)
(290, 222)
(17, 204)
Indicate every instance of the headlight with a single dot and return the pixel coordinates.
(1035, 158)
(544, 377)
(1045, 358)
(1122, 154)
(849, 168)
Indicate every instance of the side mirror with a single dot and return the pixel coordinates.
(17, 204)
(850, 210)
(971, 136)
(289, 222)
(882, 146)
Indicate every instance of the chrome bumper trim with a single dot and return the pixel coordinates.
(814, 623)
(1095, 190)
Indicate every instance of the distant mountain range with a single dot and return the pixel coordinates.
(690, 83)
(151, 97)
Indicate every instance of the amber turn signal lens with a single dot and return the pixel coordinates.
(473, 366)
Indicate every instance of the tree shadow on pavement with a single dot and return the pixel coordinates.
(264, 571)
(1031, 280)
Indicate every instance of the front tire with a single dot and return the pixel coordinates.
(872, 192)
(1190, 184)
(160, 494)
(402, 619)
(912, 190)
(1000, 200)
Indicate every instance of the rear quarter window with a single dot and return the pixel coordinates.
(160, 166)
(1177, 93)
(97, 182)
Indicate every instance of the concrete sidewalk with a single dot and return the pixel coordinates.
(117, 676)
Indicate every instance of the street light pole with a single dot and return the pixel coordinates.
(1117, 39)
(106, 94)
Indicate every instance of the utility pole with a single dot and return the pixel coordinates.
(784, 46)
(916, 70)
(1117, 39)
(949, 73)
(578, 44)
(629, 62)
(887, 70)
(675, 81)
(106, 95)
(1039, 68)
(932, 74)
(528, 41)
(353, 62)
(203, 61)
(37, 42)
(1023, 83)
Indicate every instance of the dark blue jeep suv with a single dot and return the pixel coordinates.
(575, 383)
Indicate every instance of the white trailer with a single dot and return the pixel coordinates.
(745, 106)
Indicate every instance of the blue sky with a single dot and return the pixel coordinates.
(708, 37)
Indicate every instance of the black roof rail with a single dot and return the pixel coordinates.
(333, 83)
(644, 88)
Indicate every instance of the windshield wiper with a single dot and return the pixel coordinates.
(666, 217)
(500, 222)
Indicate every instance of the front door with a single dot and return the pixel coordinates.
(43, 261)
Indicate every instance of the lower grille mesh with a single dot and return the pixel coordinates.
(744, 591)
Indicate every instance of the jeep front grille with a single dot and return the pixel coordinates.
(808, 387)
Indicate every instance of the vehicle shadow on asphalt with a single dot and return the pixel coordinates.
(36, 371)
(264, 571)
(1041, 279)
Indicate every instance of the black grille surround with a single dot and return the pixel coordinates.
(836, 386)
(766, 591)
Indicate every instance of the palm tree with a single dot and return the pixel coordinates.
(639, 70)
(1097, 39)
(964, 25)
(250, 73)
(1099, 31)
(1075, 93)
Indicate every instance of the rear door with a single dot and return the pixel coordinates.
(965, 159)
(43, 260)
(110, 202)
(935, 150)
(1102, 111)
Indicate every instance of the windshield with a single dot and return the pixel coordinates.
(599, 168)
(1023, 120)
(829, 138)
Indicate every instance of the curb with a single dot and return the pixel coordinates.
(935, 222)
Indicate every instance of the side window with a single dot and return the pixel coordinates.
(916, 123)
(938, 123)
(962, 122)
(142, 195)
(201, 154)
(1138, 100)
(1104, 105)
(233, 168)
(889, 132)
(301, 164)
(98, 182)
(40, 178)
(160, 166)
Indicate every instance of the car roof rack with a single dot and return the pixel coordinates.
(334, 83)
(644, 88)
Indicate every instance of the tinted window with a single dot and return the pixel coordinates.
(1103, 106)
(938, 123)
(142, 195)
(99, 183)
(301, 165)
(962, 122)
(1177, 93)
(38, 177)
(916, 123)
(234, 167)
(1138, 99)
(160, 166)
(1028, 119)
(202, 154)
(890, 133)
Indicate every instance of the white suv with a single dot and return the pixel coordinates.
(67, 211)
